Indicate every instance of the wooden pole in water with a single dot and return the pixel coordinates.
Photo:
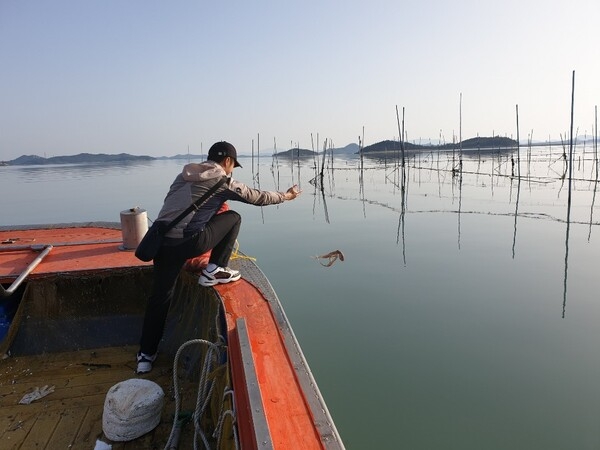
(518, 145)
(312, 146)
(276, 159)
(569, 200)
(571, 145)
(401, 132)
(529, 141)
(323, 160)
(361, 147)
(596, 138)
(460, 132)
(331, 155)
(258, 158)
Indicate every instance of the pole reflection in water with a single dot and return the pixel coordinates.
(514, 243)
(595, 168)
(401, 222)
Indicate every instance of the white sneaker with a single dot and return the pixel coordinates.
(219, 275)
(144, 362)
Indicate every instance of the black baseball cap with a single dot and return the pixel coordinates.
(220, 150)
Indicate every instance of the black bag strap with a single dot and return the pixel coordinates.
(197, 203)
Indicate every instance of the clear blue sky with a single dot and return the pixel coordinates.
(152, 77)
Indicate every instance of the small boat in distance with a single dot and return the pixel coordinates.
(72, 304)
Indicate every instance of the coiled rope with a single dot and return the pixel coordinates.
(222, 415)
(204, 393)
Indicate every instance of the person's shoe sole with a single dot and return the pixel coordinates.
(141, 371)
(206, 282)
(145, 365)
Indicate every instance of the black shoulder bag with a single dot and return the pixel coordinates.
(152, 240)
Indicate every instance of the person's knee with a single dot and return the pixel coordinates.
(235, 217)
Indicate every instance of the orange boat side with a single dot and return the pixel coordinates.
(282, 395)
(75, 249)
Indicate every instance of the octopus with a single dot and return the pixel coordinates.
(328, 259)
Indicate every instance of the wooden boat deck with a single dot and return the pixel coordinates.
(86, 257)
(71, 416)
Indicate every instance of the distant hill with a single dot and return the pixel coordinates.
(389, 146)
(483, 142)
(81, 158)
(473, 143)
(349, 149)
(296, 152)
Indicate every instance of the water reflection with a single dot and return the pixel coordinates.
(429, 176)
(53, 172)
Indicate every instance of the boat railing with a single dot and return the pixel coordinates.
(252, 421)
(45, 249)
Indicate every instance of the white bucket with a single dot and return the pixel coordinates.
(134, 224)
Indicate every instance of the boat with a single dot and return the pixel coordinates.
(72, 300)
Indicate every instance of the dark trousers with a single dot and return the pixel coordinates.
(219, 236)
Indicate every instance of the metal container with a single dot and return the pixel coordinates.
(134, 224)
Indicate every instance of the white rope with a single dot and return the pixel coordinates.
(204, 395)
(222, 415)
(212, 348)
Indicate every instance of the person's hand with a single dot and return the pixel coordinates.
(292, 192)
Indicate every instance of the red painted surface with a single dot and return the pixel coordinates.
(76, 257)
(288, 415)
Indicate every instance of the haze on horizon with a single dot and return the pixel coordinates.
(154, 78)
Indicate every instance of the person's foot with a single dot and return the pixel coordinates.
(144, 362)
(218, 275)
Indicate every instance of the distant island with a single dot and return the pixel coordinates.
(350, 149)
(87, 158)
(482, 143)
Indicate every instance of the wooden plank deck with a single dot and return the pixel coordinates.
(71, 416)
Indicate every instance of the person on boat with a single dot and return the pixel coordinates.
(201, 231)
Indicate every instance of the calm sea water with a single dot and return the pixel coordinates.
(465, 314)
